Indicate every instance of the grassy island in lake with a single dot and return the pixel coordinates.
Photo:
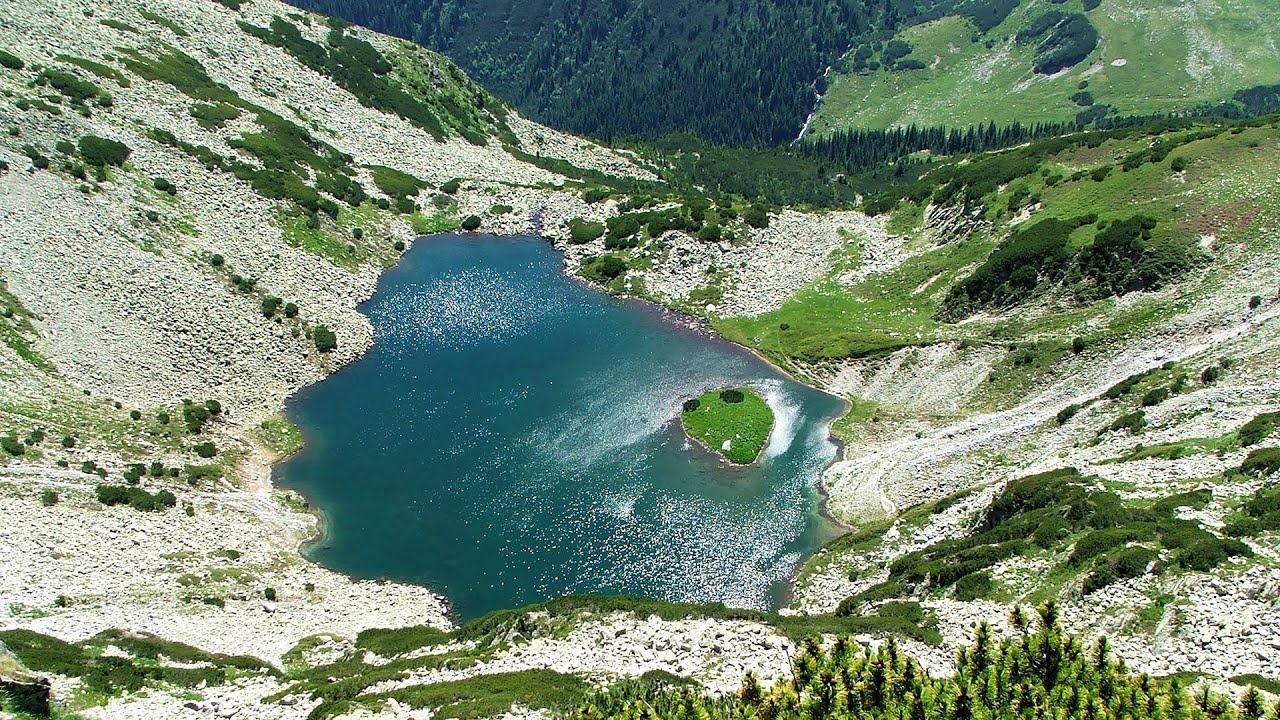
(735, 422)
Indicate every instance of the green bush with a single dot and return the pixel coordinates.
(135, 497)
(1259, 428)
(1155, 396)
(198, 473)
(325, 340)
(269, 594)
(133, 473)
(1132, 422)
(974, 586)
(1125, 257)
(582, 231)
(595, 195)
(394, 183)
(270, 304)
(1261, 462)
(102, 151)
(471, 223)
(1067, 413)
(1209, 554)
(214, 115)
(291, 310)
(206, 449)
(48, 497)
(1178, 164)
(451, 187)
(1098, 542)
(195, 416)
(757, 216)
(11, 61)
(12, 445)
(690, 405)
(605, 268)
(1210, 375)
(732, 396)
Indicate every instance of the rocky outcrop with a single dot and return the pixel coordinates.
(27, 693)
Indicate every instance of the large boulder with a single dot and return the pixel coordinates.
(28, 693)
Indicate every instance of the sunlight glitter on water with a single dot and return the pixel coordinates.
(514, 436)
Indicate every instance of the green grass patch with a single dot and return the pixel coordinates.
(973, 77)
(885, 312)
(432, 224)
(734, 422)
(283, 437)
(308, 233)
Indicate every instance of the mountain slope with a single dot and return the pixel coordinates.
(189, 217)
(1148, 57)
(734, 72)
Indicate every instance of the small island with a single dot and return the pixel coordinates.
(734, 422)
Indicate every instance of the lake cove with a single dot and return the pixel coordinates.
(514, 436)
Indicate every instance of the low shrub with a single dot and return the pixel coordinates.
(1155, 396)
(195, 416)
(11, 61)
(1261, 462)
(12, 445)
(198, 473)
(1258, 429)
(1098, 542)
(1067, 413)
(595, 195)
(135, 497)
(270, 305)
(471, 223)
(605, 268)
(974, 586)
(1210, 553)
(206, 449)
(732, 396)
(580, 232)
(1132, 422)
(102, 151)
(757, 217)
(325, 340)
(48, 497)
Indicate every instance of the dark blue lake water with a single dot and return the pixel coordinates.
(513, 436)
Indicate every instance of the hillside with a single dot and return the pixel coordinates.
(1050, 62)
(740, 72)
(1083, 328)
(1059, 359)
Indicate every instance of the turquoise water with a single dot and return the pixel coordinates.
(513, 436)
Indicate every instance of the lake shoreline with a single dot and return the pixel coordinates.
(670, 317)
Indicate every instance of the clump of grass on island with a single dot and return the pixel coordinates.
(735, 422)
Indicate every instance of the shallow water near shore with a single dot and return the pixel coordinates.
(513, 436)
